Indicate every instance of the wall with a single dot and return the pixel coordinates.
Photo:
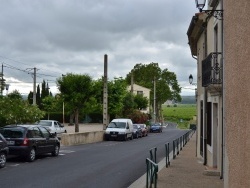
(68, 139)
(237, 93)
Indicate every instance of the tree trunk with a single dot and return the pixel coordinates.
(71, 122)
(76, 121)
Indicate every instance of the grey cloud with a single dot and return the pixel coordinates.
(63, 36)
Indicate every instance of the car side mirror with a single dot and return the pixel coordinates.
(53, 135)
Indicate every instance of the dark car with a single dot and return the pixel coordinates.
(4, 150)
(137, 131)
(30, 140)
(156, 128)
(144, 129)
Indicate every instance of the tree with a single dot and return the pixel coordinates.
(45, 90)
(49, 104)
(117, 90)
(38, 96)
(167, 87)
(141, 102)
(76, 90)
(14, 110)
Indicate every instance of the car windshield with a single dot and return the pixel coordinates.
(155, 125)
(45, 123)
(135, 126)
(142, 126)
(117, 125)
(12, 132)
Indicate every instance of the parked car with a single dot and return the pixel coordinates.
(4, 150)
(156, 128)
(119, 129)
(53, 126)
(137, 131)
(144, 129)
(30, 140)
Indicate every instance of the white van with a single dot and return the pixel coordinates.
(121, 129)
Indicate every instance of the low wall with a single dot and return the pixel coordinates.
(69, 139)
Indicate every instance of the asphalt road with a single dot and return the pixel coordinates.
(111, 164)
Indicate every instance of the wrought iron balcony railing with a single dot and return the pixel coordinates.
(212, 69)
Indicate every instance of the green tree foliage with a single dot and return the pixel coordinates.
(49, 104)
(128, 102)
(76, 90)
(45, 90)
(141, 102)
(14, 110)
(167, 87)
(38, 96)
(30, 97)
(117, 90)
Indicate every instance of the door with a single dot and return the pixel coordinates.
(49, 141)
(37, 139)
(201, 128)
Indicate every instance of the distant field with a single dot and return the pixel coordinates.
(182, 114)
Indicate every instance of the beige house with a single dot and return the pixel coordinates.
(139, 90)
(220, 42)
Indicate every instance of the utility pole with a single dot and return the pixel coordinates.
(132, 82)
(1, 81)
(154, 100)
(34, 87)
(105, 92)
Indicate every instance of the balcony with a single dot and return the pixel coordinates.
(212, 71)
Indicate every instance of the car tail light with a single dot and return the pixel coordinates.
(25, 142)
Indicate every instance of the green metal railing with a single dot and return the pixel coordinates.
(167, 154)
(152, 170)
(180, 142)
(152, 152)
(152, 166)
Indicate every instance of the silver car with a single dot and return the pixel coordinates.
(53, 126)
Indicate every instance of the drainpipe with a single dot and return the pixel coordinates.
(205, 105)
(222, 119)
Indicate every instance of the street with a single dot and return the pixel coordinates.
(112, 164)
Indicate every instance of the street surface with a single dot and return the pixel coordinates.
(111, 164)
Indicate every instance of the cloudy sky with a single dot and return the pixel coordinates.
(71, 36)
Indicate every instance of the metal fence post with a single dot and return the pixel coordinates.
(167, 155)
(152, 170)
(153, 154)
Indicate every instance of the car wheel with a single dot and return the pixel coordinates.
(132, 137)
(137, 136)
(2, 160)
(125, 137)
(56, 151)
(32, 155)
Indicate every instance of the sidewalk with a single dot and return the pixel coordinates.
(187, 171)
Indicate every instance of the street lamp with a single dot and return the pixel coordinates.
(7, 88)
(218, 14)
(200, 4)
(191, 83)
(191, 79)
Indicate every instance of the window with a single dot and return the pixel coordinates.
(140, 93)
(56, 125)
(36, 133)
(45, 132)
